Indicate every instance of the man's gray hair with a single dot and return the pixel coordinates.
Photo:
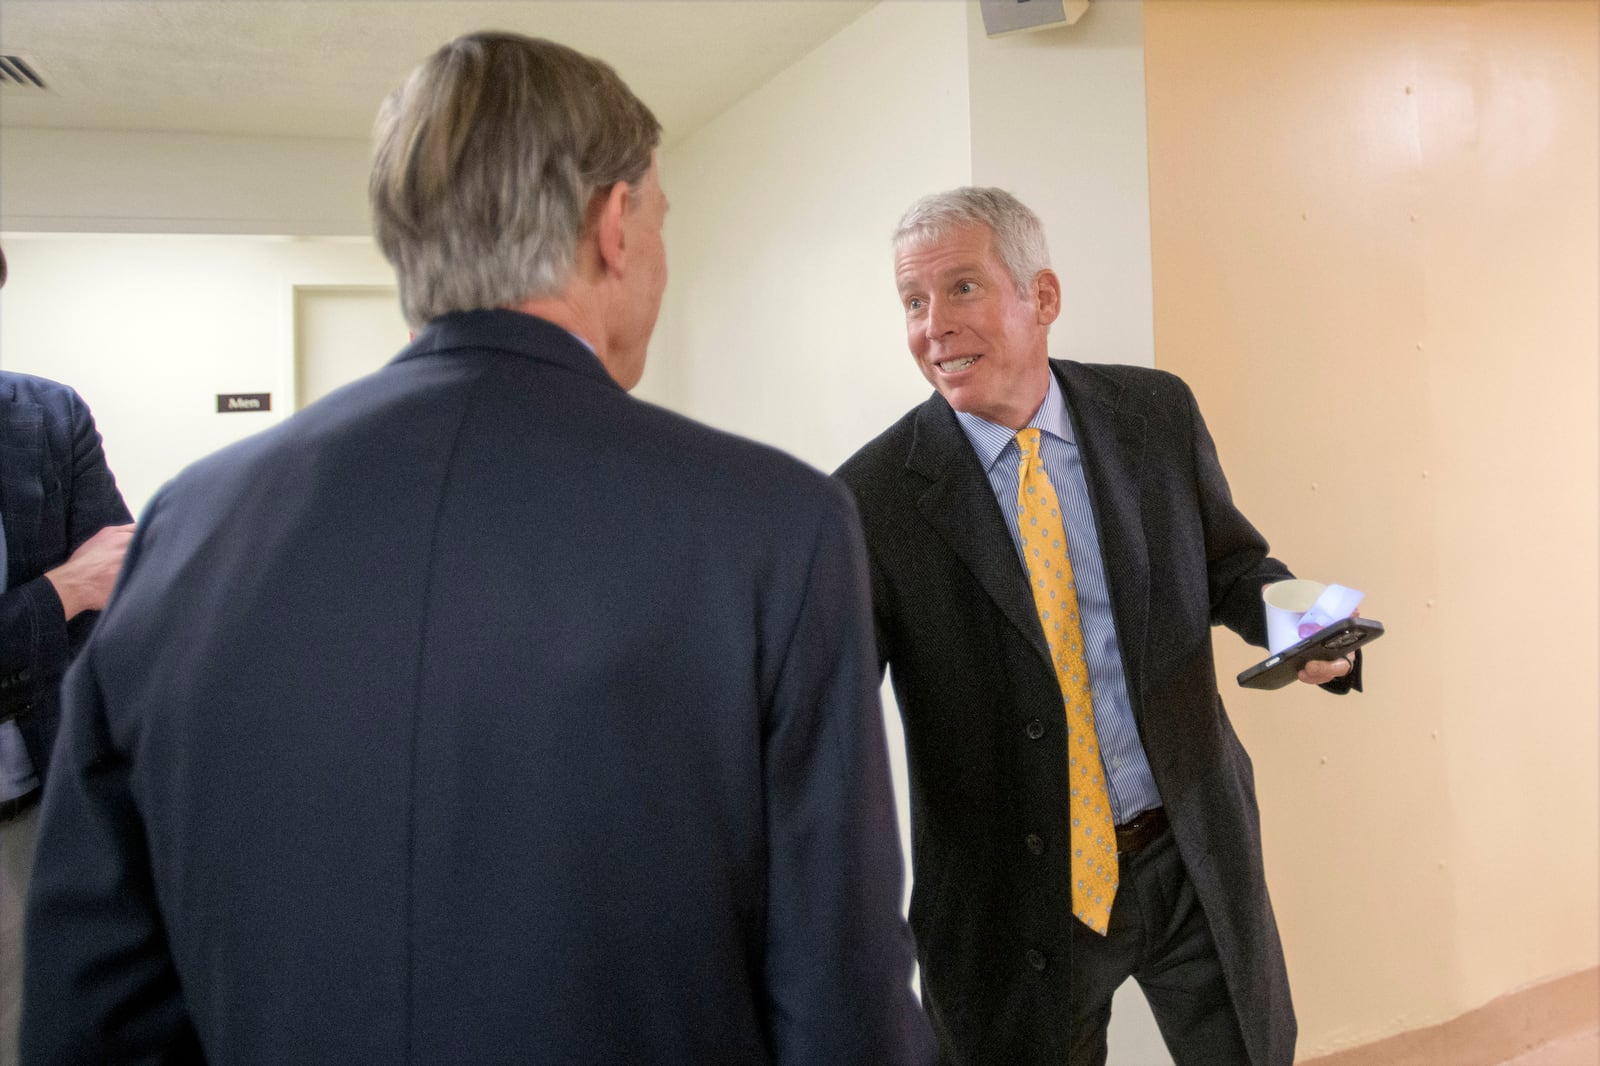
(484, 164)
(1018, 234)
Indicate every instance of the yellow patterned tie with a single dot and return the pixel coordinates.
(1055, 597)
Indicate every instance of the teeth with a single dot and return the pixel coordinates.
(958, 364)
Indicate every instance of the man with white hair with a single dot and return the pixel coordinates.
(1050, 544)
(480, 713)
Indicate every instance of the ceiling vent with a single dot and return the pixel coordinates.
(18, 73)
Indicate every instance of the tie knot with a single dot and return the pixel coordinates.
(1028, 442)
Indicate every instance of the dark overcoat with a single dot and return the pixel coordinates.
(985, 731)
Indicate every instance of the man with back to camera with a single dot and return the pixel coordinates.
(492, 716)
(63, 532)
(1050, 543)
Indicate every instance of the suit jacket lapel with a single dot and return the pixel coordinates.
(960, 506)
(1111, 443)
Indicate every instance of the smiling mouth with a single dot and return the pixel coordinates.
(955, 366)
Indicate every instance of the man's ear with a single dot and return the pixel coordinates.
(1047, 296)
(608, 226)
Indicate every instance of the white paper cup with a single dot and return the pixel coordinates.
(1286, 601)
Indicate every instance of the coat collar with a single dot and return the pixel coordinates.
(960, 505)
(509, 331)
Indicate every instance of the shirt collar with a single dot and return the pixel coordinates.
(989, 439)
(581, 340)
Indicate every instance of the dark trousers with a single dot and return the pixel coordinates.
(1159, 937)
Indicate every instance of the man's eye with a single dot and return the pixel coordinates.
(913, 304)
(965, 287)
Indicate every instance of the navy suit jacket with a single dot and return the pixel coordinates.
(55, 493)
(478, 714)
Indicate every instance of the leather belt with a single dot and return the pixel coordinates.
(1133, 836)
(13, 808)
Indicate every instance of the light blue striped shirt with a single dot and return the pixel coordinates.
(1133, 788)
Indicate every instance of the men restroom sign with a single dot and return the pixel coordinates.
(229, 402)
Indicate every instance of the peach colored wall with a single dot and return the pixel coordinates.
(1374, 244)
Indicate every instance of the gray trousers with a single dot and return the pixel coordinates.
(16, 870)
(1158, 936)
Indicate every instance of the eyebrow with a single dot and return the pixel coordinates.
(954, 272)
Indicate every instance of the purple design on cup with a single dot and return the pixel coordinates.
(1335, 603)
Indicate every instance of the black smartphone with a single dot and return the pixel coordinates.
(1330, 642)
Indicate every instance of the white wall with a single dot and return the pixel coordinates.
(90, 181)
(781, 320)
(1058, 118)
(148, 325)
(150, 328)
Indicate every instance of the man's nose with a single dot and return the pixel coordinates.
(938, 322)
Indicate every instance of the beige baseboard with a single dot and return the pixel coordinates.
(1488, 1036)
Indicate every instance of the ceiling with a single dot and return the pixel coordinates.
(318, 68)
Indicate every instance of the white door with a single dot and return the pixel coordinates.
(342, 332)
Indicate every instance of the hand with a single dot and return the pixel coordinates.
(1320, 672)
(85, 580)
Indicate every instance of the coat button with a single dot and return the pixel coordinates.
(1035, 843)
(1035, 729)
(1036, 959)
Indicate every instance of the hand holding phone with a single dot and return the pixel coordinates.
(1332, 642)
